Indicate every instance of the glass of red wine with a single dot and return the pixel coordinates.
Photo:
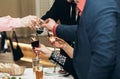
(39, 30)
(35, 43)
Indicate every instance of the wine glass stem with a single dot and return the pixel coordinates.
(55, 65)
(54, 69)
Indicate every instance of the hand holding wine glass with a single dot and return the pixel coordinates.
(39, 29)
(37, 66)
(49, 24)
(35, 43)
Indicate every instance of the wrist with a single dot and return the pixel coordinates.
(49, 53)
(57, 58)
(64, 46)
(54, 29)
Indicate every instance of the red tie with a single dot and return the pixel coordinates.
(80, 6)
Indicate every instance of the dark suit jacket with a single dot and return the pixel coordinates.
(117, 62)
(95, 40)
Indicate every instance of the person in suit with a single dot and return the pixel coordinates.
(65, 12)
(95, 39)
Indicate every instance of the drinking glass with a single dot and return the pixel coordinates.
(39, 30)
(36, 65)
(37, 68)
(50, 34)
(35, 43)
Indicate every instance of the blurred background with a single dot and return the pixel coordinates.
(21, 8)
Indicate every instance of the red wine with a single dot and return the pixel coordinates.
(39, 30)
(35, 44)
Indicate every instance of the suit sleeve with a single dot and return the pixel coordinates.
(103, 43)
(66, 32)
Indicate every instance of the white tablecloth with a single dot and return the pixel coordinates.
(29, 74)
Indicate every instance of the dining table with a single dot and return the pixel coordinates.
(48, 73)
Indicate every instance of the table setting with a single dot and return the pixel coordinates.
(29, 74)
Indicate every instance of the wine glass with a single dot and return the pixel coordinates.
(36, 65)
(52, 37)
(35, 38)
(39, 30)
(35, 43)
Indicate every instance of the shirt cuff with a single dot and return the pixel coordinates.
(57, 58)
(54, 29)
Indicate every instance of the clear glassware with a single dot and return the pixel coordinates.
(35, 43)
(37, 68)
(36, 64)
(39, 30)
(50, 34)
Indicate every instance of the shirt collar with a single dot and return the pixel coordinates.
(80, 6)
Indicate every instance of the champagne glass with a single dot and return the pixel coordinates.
(50, 34)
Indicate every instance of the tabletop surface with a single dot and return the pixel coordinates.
(48, 74)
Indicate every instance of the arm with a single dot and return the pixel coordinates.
(103, 45)
(57, 58)
(52, 13)
(64, 62)
(7, 23)
(66, 32)
(60, 43)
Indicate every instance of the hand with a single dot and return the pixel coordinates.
(30, 21)
(43, 50)
(49, 24)
(57, 42)
(60, 43)
(36, 23)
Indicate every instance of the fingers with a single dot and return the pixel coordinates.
(33, 25)
(36, 22)
(47, 20)
(41, 21)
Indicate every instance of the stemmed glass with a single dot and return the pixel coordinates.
(52, 37)
(35, 39)
(35, 43)
(37, 67)
(39, 30)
